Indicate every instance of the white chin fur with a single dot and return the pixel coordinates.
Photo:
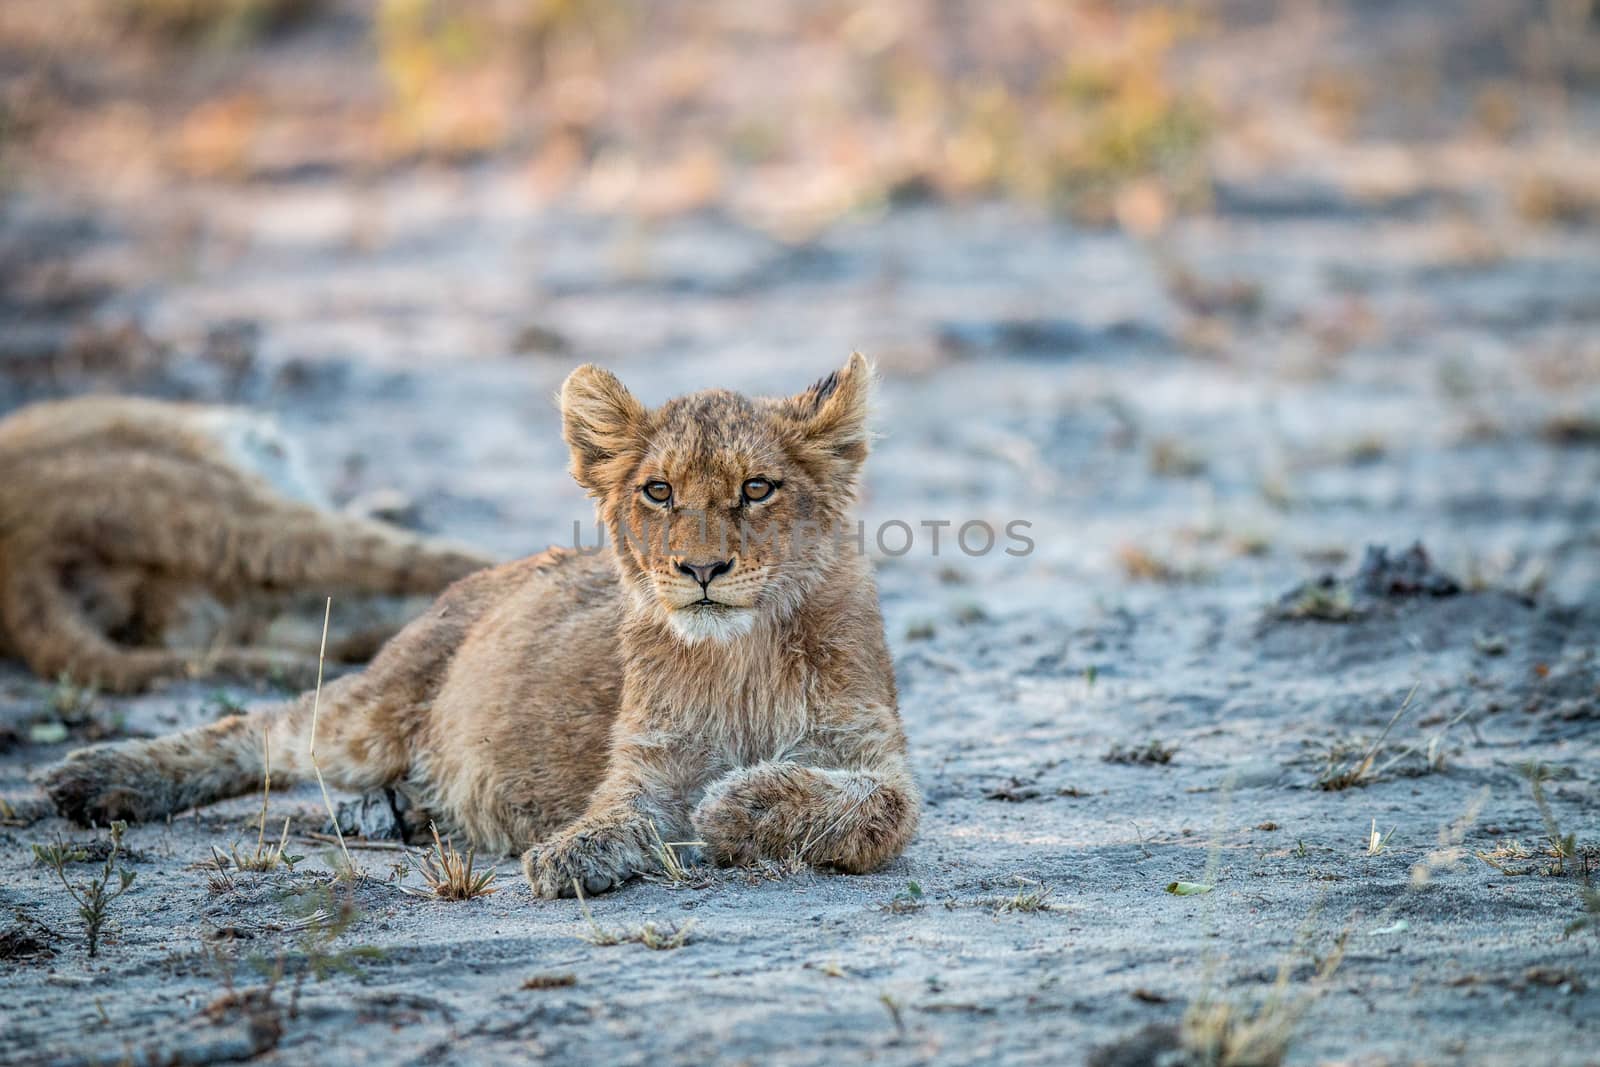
(721, 625)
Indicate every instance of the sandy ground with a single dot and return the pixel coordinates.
(1191, 428)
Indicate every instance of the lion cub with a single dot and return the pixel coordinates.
(719, 673)
(123, 522)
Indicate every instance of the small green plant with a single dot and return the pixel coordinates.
(910, 898)
(94, 897)
(69, 701)
(66, 706)
(263, 858)
(322, 916)
(1561, 847)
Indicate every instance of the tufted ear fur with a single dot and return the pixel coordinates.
(603, 425)
(830, 419)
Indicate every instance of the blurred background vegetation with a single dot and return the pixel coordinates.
(789, 114)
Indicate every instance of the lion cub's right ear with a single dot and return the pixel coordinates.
(603, 425)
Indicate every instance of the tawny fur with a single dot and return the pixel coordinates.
(119, 516)
(569, 706)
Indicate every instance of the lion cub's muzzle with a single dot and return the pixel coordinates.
(704, 574)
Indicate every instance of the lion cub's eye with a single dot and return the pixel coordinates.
(758, 489)
(657, 492)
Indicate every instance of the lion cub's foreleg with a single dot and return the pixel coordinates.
(854, 820)
(641, 798)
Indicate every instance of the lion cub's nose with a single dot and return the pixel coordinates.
(705, 573)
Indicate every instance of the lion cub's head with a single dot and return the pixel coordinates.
(721, 507)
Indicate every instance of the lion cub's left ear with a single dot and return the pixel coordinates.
(603, 425)
(830, 418)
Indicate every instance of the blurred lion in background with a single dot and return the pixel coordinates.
(142, 540)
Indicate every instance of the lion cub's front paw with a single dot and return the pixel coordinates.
(747, 816)
(596, 861)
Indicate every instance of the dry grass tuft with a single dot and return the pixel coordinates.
(1140, 564)
(1153, 754)
(830, 967)
(672, 866)
(1032, 897)
(774, 870)
(1173, 459)
(1324, 602)
(1504, 855)
(450, 875)
(663, 938)
(1561, 847)
(265, 857)
(1219, 1033)
(1335, 779)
